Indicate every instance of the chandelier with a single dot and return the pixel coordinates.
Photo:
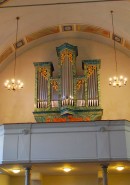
(116, 81)
(14, 84)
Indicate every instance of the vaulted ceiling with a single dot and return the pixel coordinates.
(48, 19)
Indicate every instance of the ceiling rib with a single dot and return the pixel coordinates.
(62, 3)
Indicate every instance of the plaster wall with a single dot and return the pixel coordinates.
(88, 179)
(119, 178)
(18, 106)
(5, 179)
(17, 180)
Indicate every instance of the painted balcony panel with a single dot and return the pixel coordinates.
(64, 146)
(1, 141)
(57, 142)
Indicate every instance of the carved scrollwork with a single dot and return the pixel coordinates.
(67, 53)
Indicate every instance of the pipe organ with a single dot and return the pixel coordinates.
(68, 97)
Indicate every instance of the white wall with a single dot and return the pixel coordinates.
(18, 106)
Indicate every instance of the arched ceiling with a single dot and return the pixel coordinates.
(88, 19)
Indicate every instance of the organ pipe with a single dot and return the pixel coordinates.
(43, 74)
(42, 90)
(67, 81)
(93, 98)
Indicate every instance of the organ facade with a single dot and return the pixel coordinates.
(68, 97)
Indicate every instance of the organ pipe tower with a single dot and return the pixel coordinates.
(68, 97)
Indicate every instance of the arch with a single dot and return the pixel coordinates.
(65, 28)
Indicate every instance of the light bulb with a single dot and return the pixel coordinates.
(121, 77)
(120, 168)
(67, 169)
(16, 170)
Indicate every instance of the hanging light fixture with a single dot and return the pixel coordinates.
(14, 84)
(116, 80)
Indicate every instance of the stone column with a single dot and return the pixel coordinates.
(104, 170)
(27, 176)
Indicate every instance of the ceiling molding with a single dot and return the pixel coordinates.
(41, 33)
(3, 1)
(57, 3)
(6, 53)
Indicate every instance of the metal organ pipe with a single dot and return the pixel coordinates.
(42, 90)
(71, 74)
(95, 103)
(88, 87)
(67, 90)
(38, 98)
(37, 90)
(46, 91)
(63, 85)
(96, 86)
(67, 82)
(93, 88)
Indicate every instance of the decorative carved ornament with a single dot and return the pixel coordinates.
(79, 83)
(43, 72)
(54, 84)
(90, 70)
(67, 53)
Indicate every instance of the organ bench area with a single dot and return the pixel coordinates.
(68, 97)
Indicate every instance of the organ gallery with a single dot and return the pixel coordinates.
(67, 97)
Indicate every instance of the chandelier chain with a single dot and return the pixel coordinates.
(116, 80)
(114, 42)
(14, 84)
(16, 39)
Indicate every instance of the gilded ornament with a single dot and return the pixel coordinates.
(67, 53)
(90, 70)
(54, 84)
(79, 83)
(43, 72)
